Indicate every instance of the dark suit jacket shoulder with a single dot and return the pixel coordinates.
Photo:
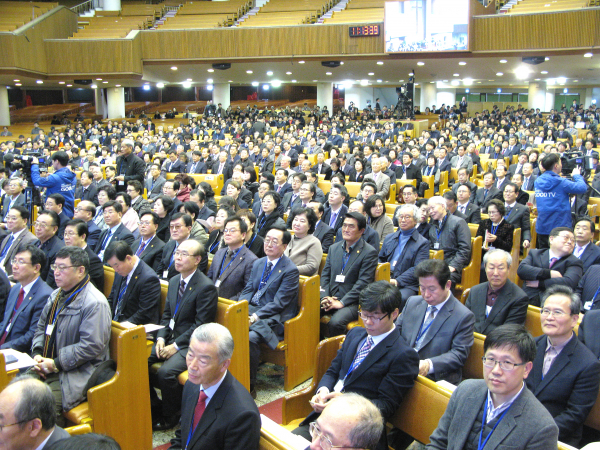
(231, 278)
(152, 254)
(324, 233)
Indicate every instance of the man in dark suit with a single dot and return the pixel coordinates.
(518, 166)
(320, 167)
(566, 374)
(323, 232)
(509, 351)
(374, 361)
(27, 400)
(588, 332)
(463, 180)
(129, 166)
(334, 215)
(86, 211)
(229, 418)
(501, 178)
(281, 185)
(465, 206)
(588, 289)
(112, 213)
(585, 250)
(528, 177)
(135, 293)
(25, 301)
(488, 192)
(16, 223)
(195, 165)
(56, 203)
(404, 250)
(272, 295)
(350, 266)
(181, 227)
(222, 166)
(174, 165)
(46, 227)
(149, 247)
(154, 183)
(191, 301)
(14, 196)
(231, 266)
(88, 189)
(451, 234)
(516, 213)
(75, 235)
(556, 265)
(498, 300)
(408, 170)
(437, 325)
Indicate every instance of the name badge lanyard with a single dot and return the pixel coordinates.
(212, 247)
(493, 230)
(594, 297)
(481, 446)
(509, 213)
(346, 259)
(264, 283)
(67, 302)
(439, 230)
(221, 269)
(252, 241)
(262, 222)
(423, 330)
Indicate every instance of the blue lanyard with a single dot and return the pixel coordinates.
(508, 215)
(191, 433)
(262, 222)
(264, 283)
(212, 247)
(439, 230)
(483, 421)
(67, 301)
(350, 370)
(493, 230)
(229, 263)
(252, 241)
(595, 295)
(173, 256)
(346, 259)
(424, 330)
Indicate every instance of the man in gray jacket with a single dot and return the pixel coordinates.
(73, 332)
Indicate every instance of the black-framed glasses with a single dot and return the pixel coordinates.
(504, 365)
(373, 319)
(12, 424)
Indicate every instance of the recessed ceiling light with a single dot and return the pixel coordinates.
(432, 82)
(371, 74)
(210, 87)
(18, 84)
(547, 58)
(380, 63)
(588, 55)
(327, 73)
(209, 81)
(314, 81)
(445, 81)
(270, 73)
(186, 84)
(230, 81)
(118, 85)
(364, 82)
(210, 70)
(456, 75)
(174, 68)
(454, 82)
(105, 82)
(16, 81)
(189, 79)
(462, 63)
(300, 62)
(294, 81)
(416, 84)
(479, 82)
(468, 81)
(341, 63)
(61, 82)
(98, 79)
(575, 81)
(69, 85)
(160, 85)
(146, 87)
(411, 74)
(249, 71)
(380, 81)
(499, 74)
(503, 61)
(276, 83)
(288, 73)
(420, 63)
(537, 79)
(401, 81)
(93, 86)
(39, 82)
(255, 83)
(544, 72)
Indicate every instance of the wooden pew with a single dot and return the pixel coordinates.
(473, 367)
(471, 273)
(109, 278)
(120, 408)
(5, 376)
(79, 429)
(533, 321)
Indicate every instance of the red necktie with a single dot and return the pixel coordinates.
(199, 410)
(16, 308)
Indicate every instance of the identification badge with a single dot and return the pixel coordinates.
(165, 274)
(436, 246)
(8, 327)
(218, 283)
(172, 324)
(339, 386)
(340, 278)
(587, 305)
(49, 329)
(121, 183)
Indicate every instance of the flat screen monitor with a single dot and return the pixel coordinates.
(426, 26)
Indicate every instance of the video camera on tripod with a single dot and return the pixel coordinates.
(570, 160)
(23, 164)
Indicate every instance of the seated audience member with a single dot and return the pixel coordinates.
(25, 301)
(588, 332)
(13, 197)
(517, 214)
(466, 206)
(437, 325)
(370, 236)
(206, 216)
(198, 232)
(135, 293)
(452, 205)
(522, 196)
(424, 225)
(463, 180)
(138, 202)
(253, 241)
(105, 194)
(497, 301)
(451, 234)
(566, 374)
(270, 215)
(86, 211)
(272, 295)
(215, 239)
(231, 266)
(292, 199)
(28, 418)
(378, 219)
(304, 249)
(16, 223)
(73, 331)
(350, 266)
(130, 218)
(88, 189)
(154, 183)
(409, 196)
(554, 266)
(75, 236)
(334, 215)
(231, 418)
(148, 247)
(404, 250)
(191, 301)
(495, 231)
(323, 232)
(116, 231)
(89, 441)
(46, 227)
(487, 192)
(181, 224)
(501, 395)
(374, 361)
(585, 250)
(56, 203)
(381, 180)
(164, 207)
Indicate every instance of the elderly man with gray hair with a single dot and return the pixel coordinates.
(129, 166)
(217, 411)
(498, 300)
(348, 421)
(404, 250)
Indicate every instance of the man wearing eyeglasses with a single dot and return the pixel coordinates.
(191, 301)
(86, 211)
(14, 197)
(112, 212)
(180, 228)
(566, 374)
(75, 235)
(16, 223)
(149, 246)
(46, 228)
(543, 268)
(374, 361)
(498, 411)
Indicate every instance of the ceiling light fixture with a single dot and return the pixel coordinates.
(270, 73)
(173, 67)
(420, 63)
(380, 63)
(210, 70)
(462, 63)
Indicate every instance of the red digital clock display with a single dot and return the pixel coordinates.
(366, 30)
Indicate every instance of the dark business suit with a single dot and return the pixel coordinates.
(25, 238)
(96, 270)
(24, 322)
(482, 200)
(358, 272)
(448, 340)
(455, 240)
(518, 216)
(587, 287)
(231, 420)
(412, 173)
(385, 376)
(590, 256)
(120, 234)
(140, 303)
(154, 187)
(528, 184)
(175, 167)
(93, 233)
(227, 170)
(472, 212)
(132, 168)
(339, 220)
(6, 199)
(197, 306)
(415, 250)
(588, 332)
(152, 254)
(57, 435)
(167, 261)
(89, 193)
(569, 388)
(324, 233)
(282, 189)
(51, 247)
(510, 306)
(198, 167)
(536, 266)
(235, 276)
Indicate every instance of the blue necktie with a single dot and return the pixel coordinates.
(119, 306)
(106, 239)
(7, 246)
